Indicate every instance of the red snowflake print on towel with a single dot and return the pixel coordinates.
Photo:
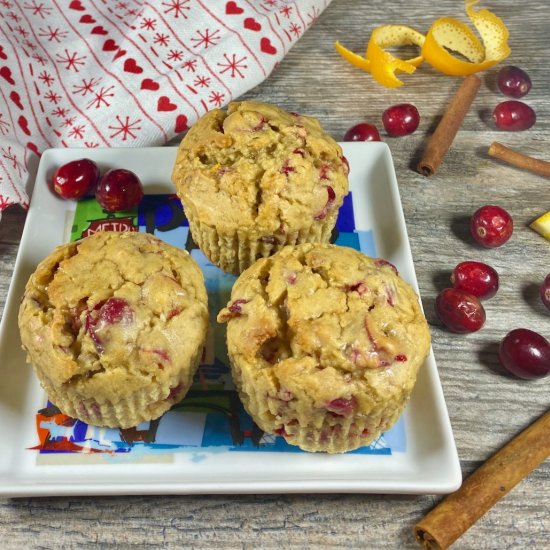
(37, 8)
(60, 112)
(125, 128)
(295, 29)
(148, 24)
(100, 98)
(6, 4)
(190, 65)
(161, 39)
(175, 55)
(23, 32)
(216, 98)
(286, 11)
(202, 81)
(91, 144)
(52, 97)
(39, 58)
(71, 60)
(313, 15)
(12, 158)
(205, 38)
(77, 132)
(50, 34)
(234, 65)
(87, 86)
(47, 78)
(176, 8)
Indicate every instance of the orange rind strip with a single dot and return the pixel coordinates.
(450, 46)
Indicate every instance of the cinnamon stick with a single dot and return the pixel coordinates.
(446, 130)
(481, 490)
(519, 160)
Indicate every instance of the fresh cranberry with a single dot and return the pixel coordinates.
(545, 291)
(401, 120)
(476, 278)
(525, 353)
(514, 116)
(119, 189)
(75, 178)
(362, 132)
(491, 226)
(513, 81)
(459, 311)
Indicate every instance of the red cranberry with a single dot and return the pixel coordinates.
(513, 81)
(491, 226)
(362, 132)
(119, 189)
(342, 406)
(525, 353)
(514, 116)
(459, 311)
(545, 291)
(75, 178)
(401, 120)
(115, 310)
(476, 278)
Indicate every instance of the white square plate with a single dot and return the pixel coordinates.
(428, 463)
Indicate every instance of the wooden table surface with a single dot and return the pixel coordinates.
(485, 406)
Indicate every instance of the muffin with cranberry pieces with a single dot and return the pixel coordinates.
(325, 345)
(114, 327)
(256, 178)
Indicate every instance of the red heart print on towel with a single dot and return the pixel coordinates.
(231, 8)
(120, 53)
(6, 73)
(33, 148)
(99, 30)
(181, 124)
(110, 45)
(2, 53)
(130, 66)
(251, 24)
(164, 104)
(14, 96)
(267, 47)
(87, 19)
(24, 125)
(148, 84)
(76, 5)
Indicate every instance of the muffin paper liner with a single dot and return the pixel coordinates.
(143, 405)
(235, 252)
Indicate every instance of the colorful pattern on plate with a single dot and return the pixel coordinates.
(211, 417)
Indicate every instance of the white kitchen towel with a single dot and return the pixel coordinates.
(128, 73)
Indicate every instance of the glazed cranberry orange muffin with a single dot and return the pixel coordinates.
(325, 344)
(256, 178)
(114, 327)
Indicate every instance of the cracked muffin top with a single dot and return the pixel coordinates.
(259, 168)
(113, 313)
(327, 324)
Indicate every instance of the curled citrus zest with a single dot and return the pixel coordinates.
(380, 63)
(384, 65)
(445, 37)
(448, 35)
(355, 59)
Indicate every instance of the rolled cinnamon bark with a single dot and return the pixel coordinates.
(446, 130)
(519, 160)
(489, 483)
